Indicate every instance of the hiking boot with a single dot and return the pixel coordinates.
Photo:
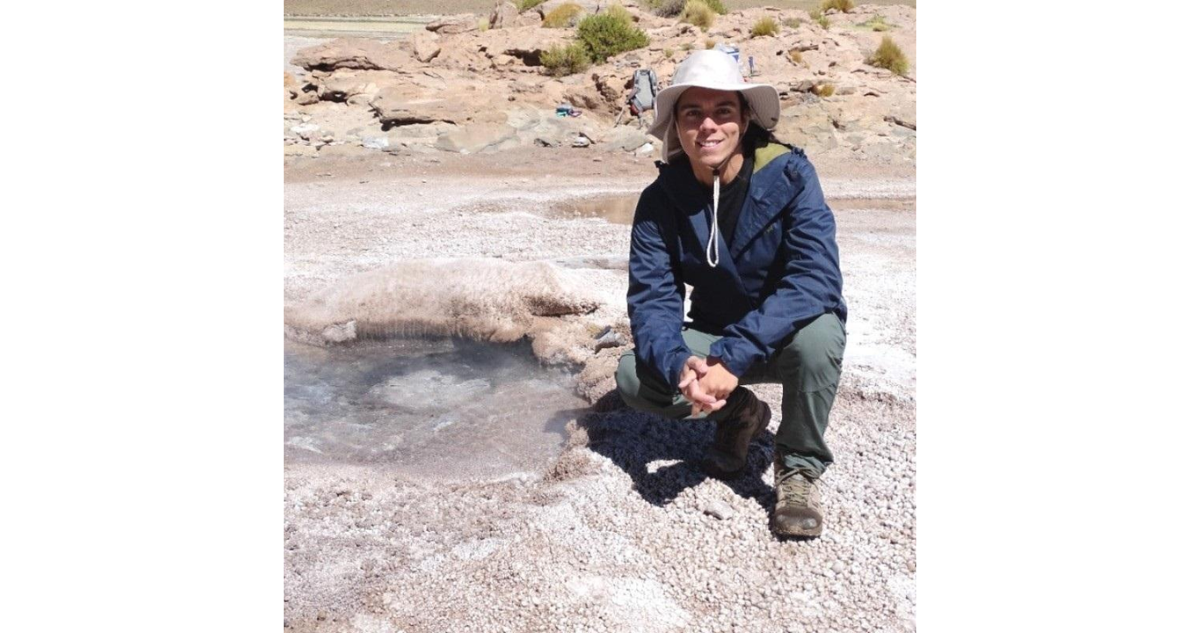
(749, 417)
(797, 503)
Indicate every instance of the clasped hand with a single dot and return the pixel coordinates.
(706, 383)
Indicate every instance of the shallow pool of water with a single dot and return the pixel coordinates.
(439, 409)
(617, 209)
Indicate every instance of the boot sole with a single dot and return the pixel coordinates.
(813, 533)
(803, 534)
(711, 469)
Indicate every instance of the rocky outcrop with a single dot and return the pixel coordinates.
(425, 46)
(454, 24)
(356, 87)
(457, 87)
(451, 102)
(504, 14)
(355, 54)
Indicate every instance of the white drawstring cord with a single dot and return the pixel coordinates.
(712, 252)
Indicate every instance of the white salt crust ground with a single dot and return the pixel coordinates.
(614, 536)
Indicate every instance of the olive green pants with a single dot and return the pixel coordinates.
(808, 366)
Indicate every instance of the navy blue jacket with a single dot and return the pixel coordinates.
(781, 270)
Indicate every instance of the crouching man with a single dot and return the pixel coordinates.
(741, 218)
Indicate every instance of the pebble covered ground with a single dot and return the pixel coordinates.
(622, 532)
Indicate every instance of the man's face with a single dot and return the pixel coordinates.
(710, 125)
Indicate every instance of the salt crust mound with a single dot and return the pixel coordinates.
(481, 299)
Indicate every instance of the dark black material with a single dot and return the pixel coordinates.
(733, 198)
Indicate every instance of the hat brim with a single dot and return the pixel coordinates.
(763, 100)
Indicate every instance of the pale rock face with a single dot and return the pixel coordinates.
(355, 54)
(425, 46)
(345, 85)
(454, 24)
(504, 15)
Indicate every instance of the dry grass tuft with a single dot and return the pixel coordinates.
(562, 16)
(621, 13)
(889, 56)
(843, 6)
(697, 13)
(876, 23)
(766, 27)
(565, 60)
(819, 18)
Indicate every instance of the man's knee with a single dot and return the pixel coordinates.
(814, 354)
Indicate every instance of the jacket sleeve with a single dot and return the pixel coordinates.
(656, 291)
(811, 282)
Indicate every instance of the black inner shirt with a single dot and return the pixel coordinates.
(733, 196)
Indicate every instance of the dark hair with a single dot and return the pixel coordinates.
(755, 135)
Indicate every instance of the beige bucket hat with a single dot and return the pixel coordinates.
(718, 71)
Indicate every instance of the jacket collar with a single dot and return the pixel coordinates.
(772, 185)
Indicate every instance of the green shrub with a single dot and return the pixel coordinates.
(562, 16)
(825, 90)
(484, 24)
(709, 43)
(687, 46)
(819, 18)
(838, 5)
(764, 27)
(697, 13)
(525, 5)
(666, 8)
(565, 60)
(717, 6)
(889, 56)
(621, 13)
(603, 36)
(669, 52)
(792, 23)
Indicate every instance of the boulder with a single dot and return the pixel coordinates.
(452, 24)
(625, 138)
(475, 137)
(404, 106)
(529, 18)
(425, 46)
(355, 86)
(504, 14)
(585, 98)
(526, 45)
(375, 142)
(613, 89)
(356, 54)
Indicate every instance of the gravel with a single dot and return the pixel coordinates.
(614, 535)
